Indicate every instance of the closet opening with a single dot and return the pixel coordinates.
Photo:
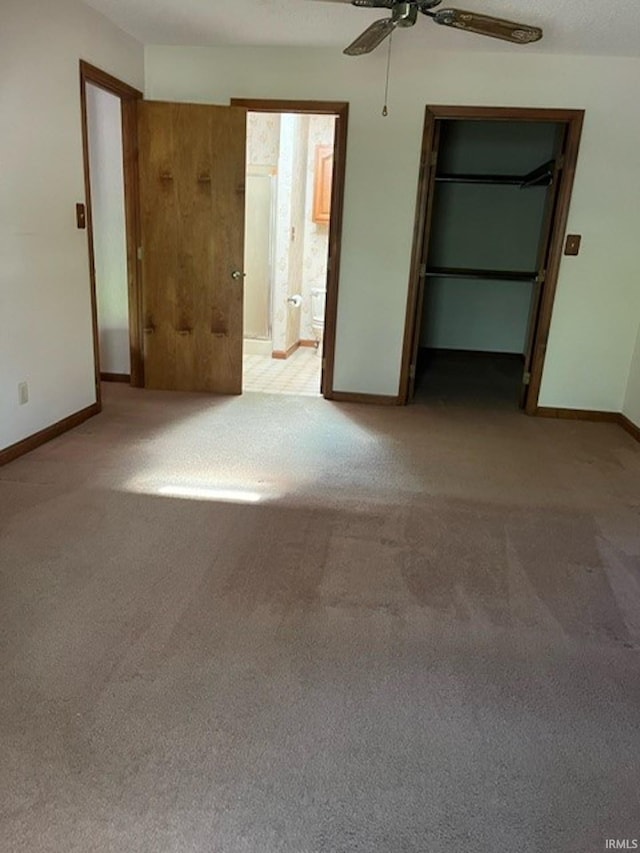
(493, 201)
(109, 133)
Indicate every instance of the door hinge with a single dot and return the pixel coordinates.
(541, 277)
(423, 270)
(324, 363)
(433, 158)
(412, 371)
(139, 253)
(560, 162)
(526, 377)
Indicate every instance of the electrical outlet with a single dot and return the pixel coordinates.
(23, 393)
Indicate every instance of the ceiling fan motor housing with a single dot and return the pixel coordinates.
(393, 4)
(404, 14)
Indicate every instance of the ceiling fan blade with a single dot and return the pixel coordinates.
(486, 25)
(374, 4)
(371, 37)
(366, 4)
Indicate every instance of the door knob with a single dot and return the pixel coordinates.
(236, 274)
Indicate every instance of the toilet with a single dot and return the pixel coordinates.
(318, 295)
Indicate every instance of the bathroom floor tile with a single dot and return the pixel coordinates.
(298, 374)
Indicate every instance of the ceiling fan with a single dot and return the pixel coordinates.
(405, 14)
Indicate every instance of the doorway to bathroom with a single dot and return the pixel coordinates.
(294, 186)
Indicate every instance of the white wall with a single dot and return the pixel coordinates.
(45, 311)
(598, 302)
(632, 398)
(104, 120)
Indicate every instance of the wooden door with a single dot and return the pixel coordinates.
(430, 168)
(542, 264)
(192, 175)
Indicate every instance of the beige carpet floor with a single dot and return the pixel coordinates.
(269, 624)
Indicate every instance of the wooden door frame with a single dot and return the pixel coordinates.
(128, 99)
(339, 109)
(573, 119)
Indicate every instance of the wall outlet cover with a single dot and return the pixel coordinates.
(572, 244)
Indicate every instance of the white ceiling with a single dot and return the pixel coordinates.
(570, 26)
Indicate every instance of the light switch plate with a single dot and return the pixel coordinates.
(572, 244)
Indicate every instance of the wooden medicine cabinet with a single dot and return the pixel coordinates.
(322, 184)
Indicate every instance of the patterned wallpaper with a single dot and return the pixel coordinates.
(316, 235)
(263, 139)
(280, 306)
(297, 246)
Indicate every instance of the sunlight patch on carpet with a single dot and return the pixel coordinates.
(210, 493)
(201, 488)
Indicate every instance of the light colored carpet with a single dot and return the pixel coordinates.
(366, 630)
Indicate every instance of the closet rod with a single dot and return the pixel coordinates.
(488, 275)
(540, 177)
(511, 180)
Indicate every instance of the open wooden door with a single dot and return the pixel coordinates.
(542, 264)
(428, 182)
(192, 176)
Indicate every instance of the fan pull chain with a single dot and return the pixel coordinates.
(385, 111)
